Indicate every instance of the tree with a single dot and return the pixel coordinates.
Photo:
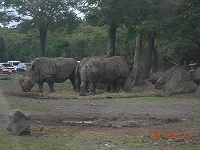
(87, 41)
(2, 48)
(100, 13)
(188, 23)
(179, 32)
(20, 46)
(152, 23)
(43, 15)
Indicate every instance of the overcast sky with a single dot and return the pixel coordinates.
(13, 23)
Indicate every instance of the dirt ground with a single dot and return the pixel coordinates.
(105, 113)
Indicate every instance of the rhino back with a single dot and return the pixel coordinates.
(104, 70)
(59, 68)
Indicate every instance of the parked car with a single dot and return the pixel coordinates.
(14, 64)
(6, 68)
(22, 67)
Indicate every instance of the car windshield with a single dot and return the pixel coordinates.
(15, 63)
(6, 65)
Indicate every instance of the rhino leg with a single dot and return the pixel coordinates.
(40, 86)
(93, 87)
(83, 88)
(77, 85)
(112, 88)
(73, 82)
(118, 87)
(50, 82)
(108, 88)
(119, 83)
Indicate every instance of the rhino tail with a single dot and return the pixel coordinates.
(84, 73)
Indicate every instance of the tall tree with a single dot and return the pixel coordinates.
(100, 13)
(148, 58)
(188, 24)
(2, 48)
(43, 15)
(111, 29)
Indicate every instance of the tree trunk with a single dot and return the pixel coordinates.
(155, 60)
(138, 51)
(148, 59)
(43, 34)
(198, 58)
(111, 32)
(137, 57)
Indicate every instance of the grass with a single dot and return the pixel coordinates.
(30, 107)
(187, 123)
(81, 140)
(10, 103)
(153, 98)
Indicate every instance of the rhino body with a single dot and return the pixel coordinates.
(50, 70)
(78, 69)
(113, 71)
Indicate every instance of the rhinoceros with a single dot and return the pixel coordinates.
(113, 71)
(49, 70)
(78, 69)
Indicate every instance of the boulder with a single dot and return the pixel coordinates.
(198, 90)
(19, 122)
(196, 77)
(154, 77)
(180, 82)
(160, 83)
(176, 80)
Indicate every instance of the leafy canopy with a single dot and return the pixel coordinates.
(42, 14)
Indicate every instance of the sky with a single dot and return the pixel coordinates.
(14, 23)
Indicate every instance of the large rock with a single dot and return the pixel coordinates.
(176, 80)
(180, 82)
(19, 122)
(198, 90)
(196, 79)
(160, 83)
(154, 77)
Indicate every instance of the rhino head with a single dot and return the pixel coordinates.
(129, 82)
(26, 84)
(29, 79)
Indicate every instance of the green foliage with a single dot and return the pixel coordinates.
(125, 46)
(42, 14)
(23, 47)
(87, 41)
(176, 24)
(2, 48)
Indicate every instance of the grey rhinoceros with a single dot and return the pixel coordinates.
(78, 69)
(49, 70)
(113, 71)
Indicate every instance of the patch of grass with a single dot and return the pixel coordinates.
(30, 107)
(13, 98)
(186, 96)
(187, 123)
(152, 98)
(87, 140)
(142, 99)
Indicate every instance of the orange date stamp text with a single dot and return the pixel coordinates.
(170, 134)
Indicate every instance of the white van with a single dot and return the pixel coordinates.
(14, 64)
